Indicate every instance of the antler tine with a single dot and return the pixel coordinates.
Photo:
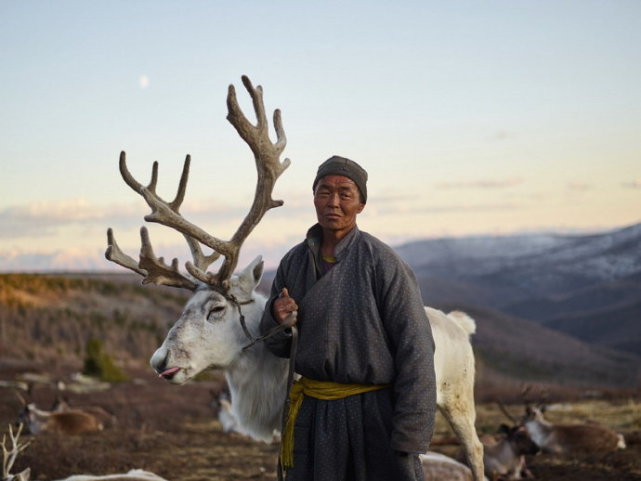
(157, 271)
(269, 168)
(198, 268)
(115, 254)
(257, 101)
(182, 186)
(167, 213)
(9, 457)
(201, 261)
(505, 412)
(268, 165)
(150, 267)
(281, 139)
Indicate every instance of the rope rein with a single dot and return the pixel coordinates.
(289, 323)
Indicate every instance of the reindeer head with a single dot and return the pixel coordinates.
(209, 332)
(210, 329)
(533, 413)
(519, 439)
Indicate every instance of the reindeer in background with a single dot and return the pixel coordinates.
(223, 314)
(570, 439)
(67, 422)
(10, 454)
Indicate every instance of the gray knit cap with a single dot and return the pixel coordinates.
(336, 165)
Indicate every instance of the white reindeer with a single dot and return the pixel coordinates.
(438, 467)
(225, 309)
(570, 439)
(132, 475)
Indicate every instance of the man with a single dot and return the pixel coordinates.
(364, 408)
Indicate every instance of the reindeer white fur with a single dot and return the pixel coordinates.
(438, 467)
(132, 475)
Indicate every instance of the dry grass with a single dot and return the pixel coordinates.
(171, 431)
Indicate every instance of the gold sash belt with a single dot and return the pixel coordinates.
(325, 390)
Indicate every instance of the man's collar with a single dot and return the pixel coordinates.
(315, 237)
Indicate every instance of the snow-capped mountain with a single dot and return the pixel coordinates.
(588, 286)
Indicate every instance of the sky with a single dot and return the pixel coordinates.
(472, 118)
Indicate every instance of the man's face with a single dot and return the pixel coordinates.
(337, 201)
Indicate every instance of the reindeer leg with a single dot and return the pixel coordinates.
(461, 415)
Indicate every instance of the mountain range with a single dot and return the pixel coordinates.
(586, 286)
(548, 308)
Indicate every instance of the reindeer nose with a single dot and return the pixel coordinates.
(159, 361)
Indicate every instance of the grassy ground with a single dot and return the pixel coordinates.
(171, 431)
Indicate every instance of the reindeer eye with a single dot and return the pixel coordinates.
(215, 311)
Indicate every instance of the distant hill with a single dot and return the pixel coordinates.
(560, 309)
(586, 286)
(516, 348)
(53, 316)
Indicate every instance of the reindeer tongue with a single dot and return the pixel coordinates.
(169, 372)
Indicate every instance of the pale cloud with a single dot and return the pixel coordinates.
(76, 259)
(444, 209)
(579, 186)
(44, 218)
(481, 184)
(503, 135)
(633, 184)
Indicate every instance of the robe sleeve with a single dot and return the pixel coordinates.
(280, 343)
(410, 335)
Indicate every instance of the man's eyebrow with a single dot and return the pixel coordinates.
(342, 186)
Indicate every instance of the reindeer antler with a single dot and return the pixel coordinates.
(269, 168)
(9, 456)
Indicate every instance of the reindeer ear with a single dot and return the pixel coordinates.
(23, 475)
(251, 275)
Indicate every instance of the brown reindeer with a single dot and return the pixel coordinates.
(61, 404)
(504, 458)
(72, 421)
(570, 439)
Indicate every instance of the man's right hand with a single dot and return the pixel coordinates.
(283, 306)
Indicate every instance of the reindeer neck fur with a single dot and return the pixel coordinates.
(539, 430)
(36, 418)
(257, 381)
(501, 457)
